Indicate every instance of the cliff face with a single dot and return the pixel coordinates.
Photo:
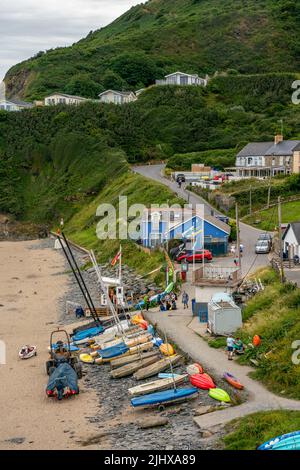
(152, 39)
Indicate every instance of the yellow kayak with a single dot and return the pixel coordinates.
(167, 349)
(86, 358)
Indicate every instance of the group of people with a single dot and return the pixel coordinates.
(234, 345)
(168, 302)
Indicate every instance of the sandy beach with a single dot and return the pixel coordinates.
(32, 280)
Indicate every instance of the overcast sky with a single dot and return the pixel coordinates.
(30, 26)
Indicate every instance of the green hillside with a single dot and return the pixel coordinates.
(160, 36)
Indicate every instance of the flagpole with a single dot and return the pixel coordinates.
(120, 266)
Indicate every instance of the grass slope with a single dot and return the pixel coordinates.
(157, 37)
(273, 315)
(290, 213)
(251, 431)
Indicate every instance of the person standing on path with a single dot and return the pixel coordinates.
(230, 345)
(146, 302)
(185, 300)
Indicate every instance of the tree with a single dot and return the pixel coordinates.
(136, 68)
(83, 85)
(112, 80)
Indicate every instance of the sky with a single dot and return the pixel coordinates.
(30, 26)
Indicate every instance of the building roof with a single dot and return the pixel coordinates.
(123, 93)
(17, 103)
(295, 226)
(190, 214)
(65, 95)
(286, 147)
(257, 149)
(182, 73)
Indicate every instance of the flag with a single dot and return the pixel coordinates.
(116, 258)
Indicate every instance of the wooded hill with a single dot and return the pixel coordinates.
(161, 36)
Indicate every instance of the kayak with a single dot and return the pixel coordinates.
(233, 381)
(87, 359)
(166, 349)
(73, 347)
(219, 394)
(156, 385)
(89, 333)
(290, 441)
(165, 397)
(203, 381)
(108, 356)
(193, 369)
(163, 375)
(113, 351)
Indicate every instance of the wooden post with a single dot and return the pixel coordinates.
(280, 241)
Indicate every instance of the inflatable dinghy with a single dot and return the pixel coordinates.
(27, 351)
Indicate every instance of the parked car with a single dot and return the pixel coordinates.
(180, 178)
(189, 257)
(267, 237)
(262, 247)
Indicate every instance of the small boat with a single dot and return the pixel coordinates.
(159, 366)
(290, 441)
(73, 347)
(167, 349)
(130, 342)
(193, 369)
(87, 358)
(156, 385)
(122, 361)
(233, 381)
(135, 350)
(203, 381)
(129, 369)
(219, 394)
(164, 398)
(113, 351)
(163, 375)
(26, 352)
(87, 334)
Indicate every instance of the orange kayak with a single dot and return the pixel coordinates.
(233, 381)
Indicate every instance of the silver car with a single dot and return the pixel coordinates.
(262, 247)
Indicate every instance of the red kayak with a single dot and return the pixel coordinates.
(203, 381)
(233, 381)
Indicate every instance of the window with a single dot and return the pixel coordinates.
(183, 80)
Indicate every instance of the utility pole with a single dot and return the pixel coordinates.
(250, 202)
(238, 241)
(280, 241)
(269, 194)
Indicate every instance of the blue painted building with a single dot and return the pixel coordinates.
(159, 225)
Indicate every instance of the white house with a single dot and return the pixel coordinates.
(117, 97)
(183, 79)
(14, 105)
(291, 240)
(63, 98)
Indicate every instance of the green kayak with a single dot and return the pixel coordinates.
(219, 394)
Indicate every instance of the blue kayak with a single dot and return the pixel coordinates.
(164, 397)
(89, 333)
(167, 376)
(113, 351)
(73, 347)
(289, 441)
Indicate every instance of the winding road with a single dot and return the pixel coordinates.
(250, 261)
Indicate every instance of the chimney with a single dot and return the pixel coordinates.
(278, 138)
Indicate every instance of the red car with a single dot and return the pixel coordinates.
(189, 257)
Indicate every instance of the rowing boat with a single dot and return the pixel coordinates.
(136, 349)
(130, 342)
(156, 385)
(164, 398)
(129, 369)
(160, 366)
(122, 361)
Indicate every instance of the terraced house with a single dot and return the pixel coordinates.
(267, 159)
